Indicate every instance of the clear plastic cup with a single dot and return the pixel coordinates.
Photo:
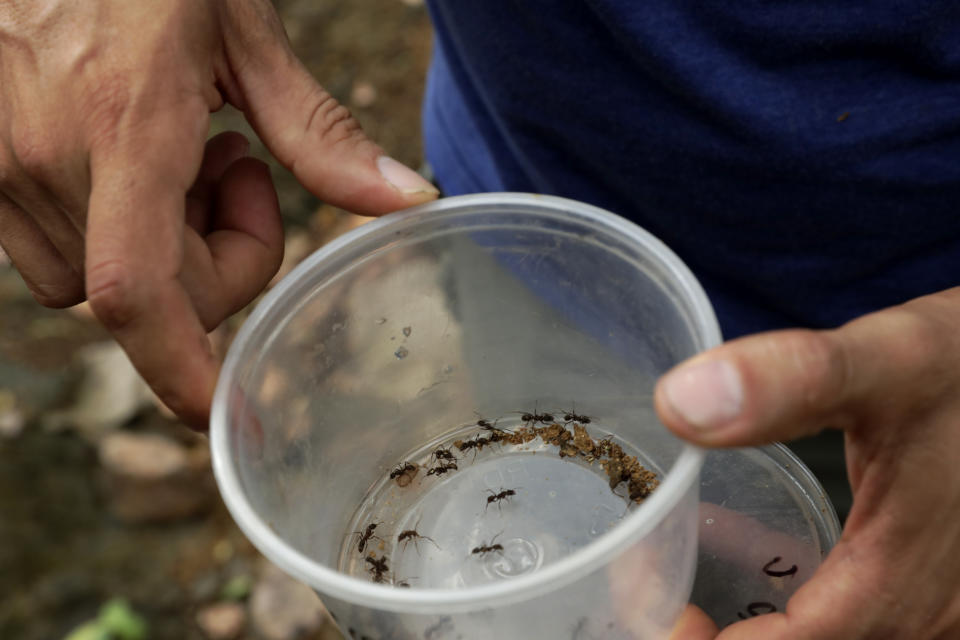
(431, 328)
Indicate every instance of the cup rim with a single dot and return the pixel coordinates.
(683, 474)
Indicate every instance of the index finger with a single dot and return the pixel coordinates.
(135, 250)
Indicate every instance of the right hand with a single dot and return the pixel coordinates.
(107, 191)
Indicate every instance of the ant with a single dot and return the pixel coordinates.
(484, 424)
(466, 444)
(365, 536)
(412, 534)
(403, 583)
(535, 417)
(443, 453)
(572, 416)
(485, 548)
(498, 497)
(401, 469)
(378, 568)
(497, 435)
(477, 444)
(441, 469)
(605, 446)
(404, 473)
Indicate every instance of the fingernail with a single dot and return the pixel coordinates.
(403, 178)
(706, 395)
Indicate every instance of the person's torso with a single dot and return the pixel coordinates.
(802, 157)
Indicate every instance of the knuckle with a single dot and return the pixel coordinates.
(33, 149)
(111, 292)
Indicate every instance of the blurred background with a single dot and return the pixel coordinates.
(110, 522)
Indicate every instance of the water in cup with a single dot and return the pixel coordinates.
(472, 507)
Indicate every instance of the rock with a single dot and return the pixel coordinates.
(111, 392)
(363, 94)
(205, 587)
(152, 478)
(283, 609)
(12, 420)
(222, 621)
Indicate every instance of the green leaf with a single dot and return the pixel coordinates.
(121, 621)
(237, 588)
(89, 631)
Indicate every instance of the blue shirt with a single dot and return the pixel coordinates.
(801, 156)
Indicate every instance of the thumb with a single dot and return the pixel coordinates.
(304, 127)
(787, 384)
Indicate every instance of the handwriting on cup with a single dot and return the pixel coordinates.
(760, 607)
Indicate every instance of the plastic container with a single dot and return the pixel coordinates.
(765, 527)
(400, 338)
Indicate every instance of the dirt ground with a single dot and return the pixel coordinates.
(62, 553)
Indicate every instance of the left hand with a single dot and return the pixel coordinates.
(891, 381)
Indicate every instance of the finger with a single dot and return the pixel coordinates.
(786, 384)
(226, 270)
(52, 219)
(842, 602)
(220, 152)
(305, 128)
(51, 280)
(134, 254)
(694, 624)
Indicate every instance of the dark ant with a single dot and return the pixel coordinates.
(441, 469)
(573, 416)
(545, 418)
(477, 444)
(443, 453)
(365, 536)
(378, 568)
(495, 497)
(604, 447)
(497, 436)
(403, 583)
(485, 548)
(465, 445)
(404, 473)
(486, 426)
(412, 534)
(401, 469)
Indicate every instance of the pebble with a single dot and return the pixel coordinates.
(363, 94)
(11, 424)
(222, 621)
(111, 392)
(153, 478)
(283, 609)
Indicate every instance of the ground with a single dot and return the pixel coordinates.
(63, 551)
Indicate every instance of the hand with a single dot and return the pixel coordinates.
(890, 380)
(108, 192)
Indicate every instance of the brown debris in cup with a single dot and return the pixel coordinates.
(619, 467)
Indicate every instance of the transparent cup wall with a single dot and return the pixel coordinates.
(422, 323)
